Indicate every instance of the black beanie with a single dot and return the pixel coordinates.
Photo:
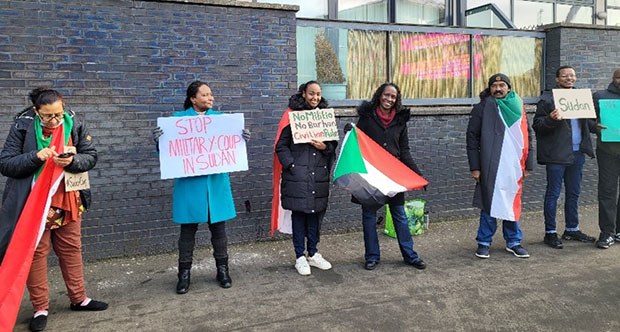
(499, 77)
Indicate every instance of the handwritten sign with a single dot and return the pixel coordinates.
(76, 181)
(317, 124)
(610, 118)
(574, 103)
(201, 145)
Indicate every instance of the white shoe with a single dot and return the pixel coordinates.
(318, 261)
(301, 264)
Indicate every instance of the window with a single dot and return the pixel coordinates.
(363, 10)
(309, 9)
(613, 17)
(530, 14)
(503, 5)
(421, 11)
(430, 65)
(574, 14)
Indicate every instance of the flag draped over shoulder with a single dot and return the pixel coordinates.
(371, 173)
(280, 218)
(28, 230)
(506, 199)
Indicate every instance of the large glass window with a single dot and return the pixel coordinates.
(518, 57)
(613, 3)
(430, 65)
(503, 5)
(574, 14)
(613, 17)
(530, 14)
(363, 10)
(309, 9)
(421, 11)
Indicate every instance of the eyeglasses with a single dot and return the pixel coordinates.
(50, 117)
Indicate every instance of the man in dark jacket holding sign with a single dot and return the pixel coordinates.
(561, 146)
(608, 157)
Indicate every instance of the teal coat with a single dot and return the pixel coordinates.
(195, 198)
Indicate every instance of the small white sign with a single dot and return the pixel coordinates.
(574, 103)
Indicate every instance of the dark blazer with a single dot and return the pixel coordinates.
(554, 138)
(19, 162)
(392, 138)
(305, 170)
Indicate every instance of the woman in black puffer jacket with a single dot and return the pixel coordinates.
(305, 180)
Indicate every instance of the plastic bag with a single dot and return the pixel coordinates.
(417, 218)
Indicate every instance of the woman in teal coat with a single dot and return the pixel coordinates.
(201, 199)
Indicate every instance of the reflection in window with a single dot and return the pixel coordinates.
(574, 14)
(363, 10)
(485, 17)
(331, 58)
(310, 9)
(421, 11)
(366, 63)
(613, 3)
(613, 17)
(530, 14)
(504, 5)
(430, 65)
(518, 57)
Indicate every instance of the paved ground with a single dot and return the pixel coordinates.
(573, 289)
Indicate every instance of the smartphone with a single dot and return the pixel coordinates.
(66, 155)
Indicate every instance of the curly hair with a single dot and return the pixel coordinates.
(376, 97)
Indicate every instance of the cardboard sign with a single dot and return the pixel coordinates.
(610, 118)
(201, 145)
(76, 181)
(317, 124)
(574, 103)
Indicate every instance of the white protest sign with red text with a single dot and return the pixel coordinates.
(201, 145)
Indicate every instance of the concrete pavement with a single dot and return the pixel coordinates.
(573, 289)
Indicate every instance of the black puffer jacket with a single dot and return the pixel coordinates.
(612, 92)
(554, 138)
(19, 162)
(305, 170)
(393, 138)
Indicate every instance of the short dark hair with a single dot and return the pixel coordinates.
(304, 87)
(557, 72)
(44, 96)
(191, 92)
(375, 101)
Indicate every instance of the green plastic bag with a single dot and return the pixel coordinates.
(414, 210)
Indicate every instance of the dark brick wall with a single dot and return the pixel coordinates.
(124, 63)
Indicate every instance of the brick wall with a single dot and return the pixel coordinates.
(124, 63)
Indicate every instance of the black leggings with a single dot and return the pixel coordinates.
(187, 242)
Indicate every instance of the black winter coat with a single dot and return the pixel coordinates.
(393, 138)
(554, 138)
(19, 162)
(305, 170)
(612, 92)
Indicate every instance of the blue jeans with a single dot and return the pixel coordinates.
(371, 239)
(488, 226)
(571, 175)
(305, 226)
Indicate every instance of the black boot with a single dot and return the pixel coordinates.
(223, 277)
(183, 284)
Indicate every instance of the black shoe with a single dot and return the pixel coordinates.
(370, 265)
(38, 323)
(552, 240)
(223, 277)
(183, 284)
(577, 236)
(605, 241)
(418, 264)
(91, 306)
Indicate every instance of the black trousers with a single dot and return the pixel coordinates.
(608, 176)
(187, 242)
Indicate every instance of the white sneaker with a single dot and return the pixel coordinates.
(301, 264)
(318, 261)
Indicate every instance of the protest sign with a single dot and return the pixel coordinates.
(317, 124)
(574, 103)
(202, 144)
(610, 118)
